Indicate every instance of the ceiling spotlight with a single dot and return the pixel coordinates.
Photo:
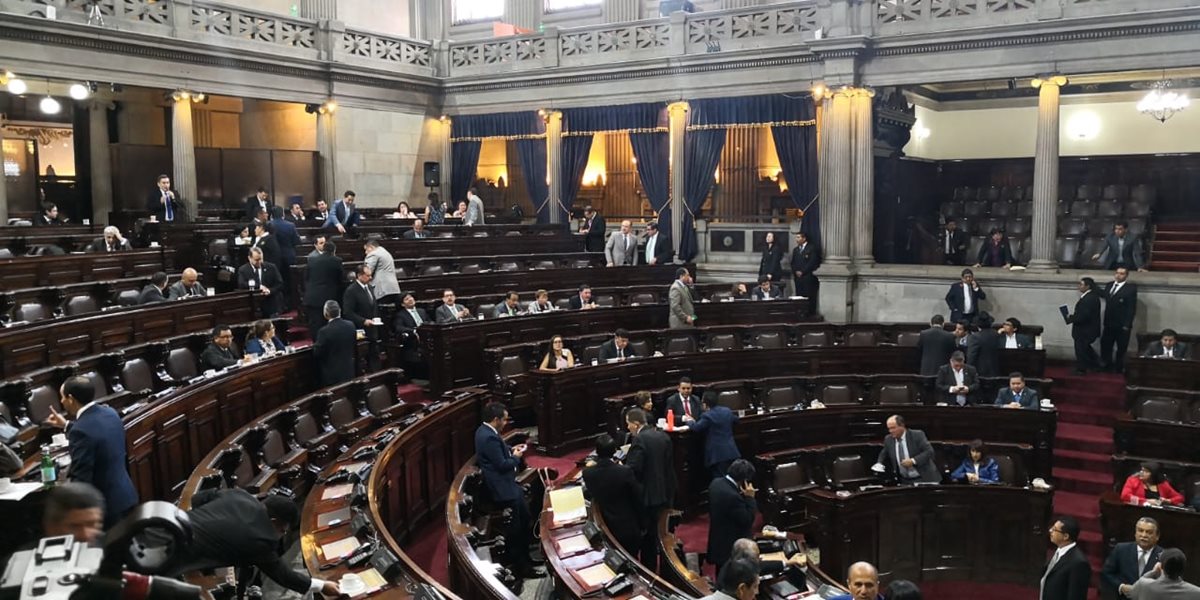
(50, 106)
(16, 86)
(329, 106)
(79, 91)
(199, 97)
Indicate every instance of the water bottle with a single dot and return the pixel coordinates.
(670, 419)
(49, 470)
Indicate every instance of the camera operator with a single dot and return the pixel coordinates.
(232, 528)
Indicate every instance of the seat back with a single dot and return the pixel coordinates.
(590, 354)
(1116, 192)
(640, 347)
(98, 383)
(643, 298)
(512, 365)
(41, 400)
(1002, 208)
(862, 339)
(1066, 250)
(1073, 226)
(273, 449)
(734, 400)
(508, 266)
(814, 339)
(990, 194)
(1007, 468)
(341, 412)
(1017, 227)
(1083, 209)
(778, 397)
(31, 312)
(605, 300)
(908, 339)
(127, 297)
(80, 305)
(965, 193)
(769, 339)
(378, 399)
(432, 270)
(470, 268)
(137, 376)
(975, 209)
(1088, 192)
(485, 309)
(788, 476)
(1109, 209)
(837, 394)
(895, 393)
(1143, 194)
(680, 345)
(181, 364)
(544, 264)
(724, 341)
(306, 428)
(847, 470)
(563, 303)
(1159, 409)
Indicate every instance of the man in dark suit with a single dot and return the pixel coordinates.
(1120, 308)
(658, 246)
(652, 460)
(296, 215)
(97, 445)
(766, 290)
(418, 231)
(1068, 572)
(618, 348)
(907, 453)
(324, 277)
(935, 346)
(963, 298)
(806, 259)
(1129, 561)
(76, 509)
(408, 318)
(188, 286)
(162, 203)
(953, 242)
(261, 276)
(615, 489)
(685, 405)
(1121, 249)
(358, 307)
(1011, 337)
(983, 348)
(49, 215)
(287, 238)
(499, 465)
(264, 239)
(732, 508)
(450, 311)
(320, 213)
(995, 252)
(220, 352)
(233, 528)
(1085, 326)
(344, 216)
(583, 299)
(1017, 395)
(153, 292)
(261, 200)
(592, 228)
(112, 241)
(957, 381)
(716, 423)
(1169, 347)
(334, 348)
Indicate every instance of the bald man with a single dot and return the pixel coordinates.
(621, 249)
(187, 286)
(746, 548)
(863, 581)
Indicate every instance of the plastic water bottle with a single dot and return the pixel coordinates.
(670, 419)
(49, 470)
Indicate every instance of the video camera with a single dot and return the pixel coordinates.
(146, 542)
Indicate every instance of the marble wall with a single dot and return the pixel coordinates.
(381, 155)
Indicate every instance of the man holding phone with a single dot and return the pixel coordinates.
(500, 465)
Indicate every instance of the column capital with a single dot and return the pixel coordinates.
(851, 92)
(678, 107)
(1056, 79)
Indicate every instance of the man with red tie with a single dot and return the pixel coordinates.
(686, 406)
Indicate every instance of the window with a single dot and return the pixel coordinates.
(468, 11)
(557, 5)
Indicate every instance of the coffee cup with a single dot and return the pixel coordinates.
(352, 584)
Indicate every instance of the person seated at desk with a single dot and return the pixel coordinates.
(296, 214)
(262, 341)
(732, 509)
(907, 453)
(557, 358)
(1011, 337)
(957, 380)
(49, 215)
(583, 300)
(737, 581)
(862, 579)
(417, 232)
(1169, 347)
(617, 349)
(739, 292)
(541, 303)
(1016, 395)
(242, 237)
(977, 467)
(450, 311)
(1150, 487)
(402, 211)
(747, 549)
(510, 307)
(112, 241)
(685, 405)
(615, 489)
(461, 211)
(153, 292)
(220, 352)
(188, 286)
(766, 290)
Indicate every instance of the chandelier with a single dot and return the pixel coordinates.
(1162, 102)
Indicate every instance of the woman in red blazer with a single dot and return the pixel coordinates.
(1149, 486)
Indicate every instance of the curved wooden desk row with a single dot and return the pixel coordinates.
(1159, 439)
(124, 379)
(29, 305)
(1178, 528)
(457, 353)
(51, 342)
(289, 445)
(469, 246)
(19, 240)
(571, 408)
(37, 271)
(1162, 373)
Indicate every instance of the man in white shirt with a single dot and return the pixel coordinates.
(1068, 572)
(621, 248)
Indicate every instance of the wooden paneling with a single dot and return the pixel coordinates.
(622, 187)
(735, 194)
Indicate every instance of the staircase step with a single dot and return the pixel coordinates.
(1176, 267)
(1081, 481)
(1176, 255)
(1083, 460)
(1088, 438)
(1087, 415)
(1180, 245)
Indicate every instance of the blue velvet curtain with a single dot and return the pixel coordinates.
(797, 150)
(575, 149)
(467, 133)
(532, 154)
(464, 158)
(649, 115)
(702, 151)
(653, 154)
(751, 110)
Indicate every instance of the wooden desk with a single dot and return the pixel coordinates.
(36, 271)
(1170, 441)
(1162, 373)
(1118, 521)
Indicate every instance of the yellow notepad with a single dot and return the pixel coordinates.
(340, 548)
(567, 504)
(573, 545)
(374, 581)
(595, 575)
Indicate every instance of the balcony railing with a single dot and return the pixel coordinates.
(917, 16)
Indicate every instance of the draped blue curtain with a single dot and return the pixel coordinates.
(575, 149)
(653, 154)
(532, 154)
(467, 133)
(648, 115)
(464, 159)
(797, 150)
(751, 110)
(702, 151)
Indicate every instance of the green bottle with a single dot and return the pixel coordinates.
(49, 470)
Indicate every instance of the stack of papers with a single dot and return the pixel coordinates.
(567, 505)
(594, 576)
(340, 548)
(573, 545)
(333, 517)
(374, 581)
(337, 491)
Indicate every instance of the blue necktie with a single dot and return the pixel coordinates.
(170, 213)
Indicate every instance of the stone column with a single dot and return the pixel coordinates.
(447, 166)
(618, 11)
(3, 181)
(526, 14)
(835, 173)
(554, 165)
(320, 10)
(101, 159)
(1045, 172)
(327, 154)
(183, 155)
(677, 128)
(863, 227)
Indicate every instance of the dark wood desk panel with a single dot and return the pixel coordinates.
(985, 534)
(50, 342)
(37, 271)
(1161, 373)
(1178, 527)
(1156, 439)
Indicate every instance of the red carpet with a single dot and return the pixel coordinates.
(428, 548)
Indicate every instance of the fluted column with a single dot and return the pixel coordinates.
(327, 153)
(554, 165)
(523, 13)
(447, 160)
(100, 158)
(863, 141)
(183, 153)
(321, 10)
(836, 172)
(1045, 172)
(617, 11)
(3, 182)
(677, 112)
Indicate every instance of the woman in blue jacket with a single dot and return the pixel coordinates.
(262, 340)
(977, 467)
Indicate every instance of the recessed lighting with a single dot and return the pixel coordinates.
(50, 106)
(78, 91)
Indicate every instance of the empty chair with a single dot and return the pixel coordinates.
(432, 271)
(98, 383)
(643, 298)
(769, 339)
(1025, 251)
(508, 266)
(862, 338)
(470, 268)
(1137, 209)
(788, 477)
(590, 354)
(306, 429)
(81, 305)
(1065, 192)
(1006, 469)
(379, 399)
(973, 247)
(1003, 208)
(975, 209)
(41, 400)
(895, 393)
(908, 339)
(814, 339)
(1012, 194)
(1062, 209)
(1017, 227)
(605, 300)
(1088, 192)
(679, 345)
(1081, 208)
(181, 364)
(136, 376)
(1072, 227)
(733, 399)
(1116, 192)
(779, 397)
(1066, 251)
(1014, 246)
(581, 263)
(511, 365)
(1089, 248)
(342, 413)
(848, 471)
(990, 194)
(5, 253)
(218, 251)
(640, 348)
(837, 394)
(1160, 409)
(31, 312)
(1143, 193)
(127, 297)
(1025, 210)
(965, 193)
(993, 223)
(1137, 226)
(724, 341)
(487, 309)
(1108, 209)
(952, 209)
(562, 303)
(544, 264)
(1099, 227)
(273, 448)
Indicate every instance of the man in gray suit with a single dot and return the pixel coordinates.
(1166, 582)
(907, 453)
(383, 269)
(474, 208)
(682, 314)
(188, 286)
(621, 248)
(1121, 249)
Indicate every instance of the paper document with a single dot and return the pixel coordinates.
(333, 517)
(595, 575)
(340, 548)
(337, 491)
(779, 556)
(19, 490)
(567, 504)
(573, 545)
(374, 581)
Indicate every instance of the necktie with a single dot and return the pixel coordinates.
(416, 317)
(1141, 561)
(687, 406)
(620, 353)
(170, 213)
(258, 274)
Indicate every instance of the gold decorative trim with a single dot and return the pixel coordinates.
(45, 136)
(528, 136)
(637, 130)
(808, 123)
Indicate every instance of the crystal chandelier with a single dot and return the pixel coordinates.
(1162, 102)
